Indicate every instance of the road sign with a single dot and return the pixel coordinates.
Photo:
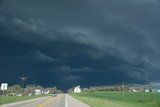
(4, 86)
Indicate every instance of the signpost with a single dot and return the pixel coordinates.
(4, 87)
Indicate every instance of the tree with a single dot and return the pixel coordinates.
(30, 89)
(70, 90)
(15, 89)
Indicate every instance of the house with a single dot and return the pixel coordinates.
(38, 92)
(19, 95)
(146, 90)
(46, 92)
(30, 94)
(12, 94)
(134, 90)
(77, 89)
(158, 90)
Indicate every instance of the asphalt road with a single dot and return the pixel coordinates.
(62, 100)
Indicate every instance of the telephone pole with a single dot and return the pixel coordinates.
(123, 88)
(23, 79)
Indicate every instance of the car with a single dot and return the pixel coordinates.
(54, 95)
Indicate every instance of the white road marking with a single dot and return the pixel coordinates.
(66, 105)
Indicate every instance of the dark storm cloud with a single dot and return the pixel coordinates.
(1, 1)
(42, 56)
(79, 40)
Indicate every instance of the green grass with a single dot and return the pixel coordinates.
(119, 99)
(10, 99)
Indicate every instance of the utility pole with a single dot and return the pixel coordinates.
(123, 88)
(23, 79)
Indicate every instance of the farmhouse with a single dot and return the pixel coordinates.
(156, 90)
(45, 92)
(77, 89)
(146, 90)
(134, 90)
(38, 92)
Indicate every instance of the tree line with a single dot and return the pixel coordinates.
(29, 89)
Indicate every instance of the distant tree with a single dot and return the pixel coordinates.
(40, 88)
(53, 89)
(59, 91)
(0, 92)
(150, 89)
(70, 90)
(85, 90)
(30, 89)
(15, 89)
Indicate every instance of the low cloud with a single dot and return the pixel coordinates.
(70, 70)
(43, 57)
(154, 84)
(1, 1)
(71, 78)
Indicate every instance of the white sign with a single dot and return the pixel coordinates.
(4, 86)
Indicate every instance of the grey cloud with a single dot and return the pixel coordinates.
(68, 69)
(153, 84)
(104, 44)
(1, 1)
(43, 57)
(40, 32)
(123, 36)
(71, 78)
(31, 25)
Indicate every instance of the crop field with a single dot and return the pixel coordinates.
(119, 99)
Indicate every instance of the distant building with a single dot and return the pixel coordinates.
(77, 89)
(46, 92)
(156, 90)
(38, 92)
(19, 95)
(146, 90)
(30, 94)
(134, 90)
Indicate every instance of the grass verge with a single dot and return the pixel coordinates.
(11, 99)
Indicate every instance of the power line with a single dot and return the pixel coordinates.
(8, 75)
(8, 72)
(6, 78)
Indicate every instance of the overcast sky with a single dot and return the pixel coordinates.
(80, 42)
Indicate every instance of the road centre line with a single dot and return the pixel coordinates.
(52, 100)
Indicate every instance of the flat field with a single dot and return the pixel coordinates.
(119, 99)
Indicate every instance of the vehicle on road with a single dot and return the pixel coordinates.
(54, 95)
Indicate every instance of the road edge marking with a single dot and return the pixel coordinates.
(66, 103)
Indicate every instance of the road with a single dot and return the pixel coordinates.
(62, 100)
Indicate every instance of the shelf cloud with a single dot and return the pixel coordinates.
(85, 42)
